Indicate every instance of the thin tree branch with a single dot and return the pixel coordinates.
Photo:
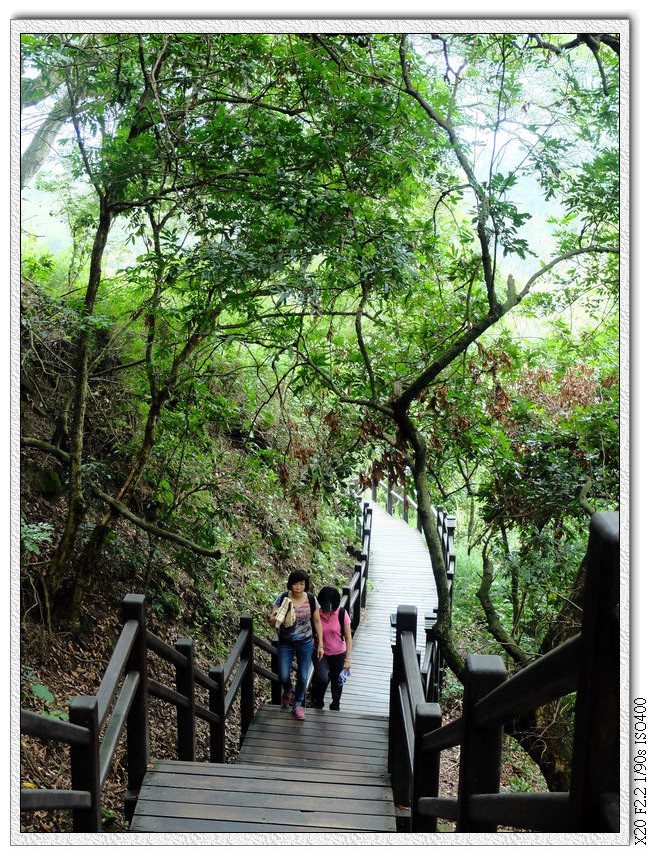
(159, 532)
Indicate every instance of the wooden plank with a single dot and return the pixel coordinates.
(222, 771)
(361, 718)
(264, 817)
(298, 798)
(287, 758)
(335, 785)
(343, 746)
(366, 760)
(324, 719)
(151, 823)
(322, 722)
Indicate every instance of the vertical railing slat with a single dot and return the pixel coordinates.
(137, 725)
(247, 697)
(480, 756)
(84, 764)
(186, 717)
(217, 704)
(426, 768)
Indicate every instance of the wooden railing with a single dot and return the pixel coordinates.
(354, 592)
(127, 682)
(95, 729)
(587, 664)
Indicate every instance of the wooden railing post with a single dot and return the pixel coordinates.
(84, 764)
(137, 725)
(450, 555)
(363, 585)
(276, 687)
(186, 714)
(426, 766)
(405, 504)
(399, 763)
(433, 677)
(480, 755)
(247, 697)
(389, 498)
(217, 704)
(346, 595)
(595, 768)
(354, 609)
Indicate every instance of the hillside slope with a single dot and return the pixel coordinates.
(263, 528)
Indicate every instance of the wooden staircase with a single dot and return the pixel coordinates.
(324, 774)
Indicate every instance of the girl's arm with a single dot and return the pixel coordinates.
(318, 626)
(347, 633)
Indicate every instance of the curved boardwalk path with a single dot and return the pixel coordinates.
(399, 572)
(327, 773)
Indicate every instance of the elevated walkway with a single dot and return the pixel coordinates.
(399, 572)
(327, 773)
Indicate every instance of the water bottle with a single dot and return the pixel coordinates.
(344, 676)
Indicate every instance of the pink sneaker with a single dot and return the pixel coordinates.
(299, 712)
(286, 698)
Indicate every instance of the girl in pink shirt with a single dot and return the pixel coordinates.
(337, 648)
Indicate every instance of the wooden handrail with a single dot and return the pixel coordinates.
(164, 650)
(116, 724)
(44, 727)
(235, 655)
(552, 676)
(535, 812)
(115, 668)
(50, 800)
(587, 664)
(169, 695)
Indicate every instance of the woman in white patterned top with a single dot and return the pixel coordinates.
(297, 638)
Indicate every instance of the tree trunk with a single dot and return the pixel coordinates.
(83, 579)
(494, 623)
(42, 143)
(546, 736)
(53, 578)
(430, 530)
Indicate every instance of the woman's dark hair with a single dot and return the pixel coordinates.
(329, 599)
(297, 577)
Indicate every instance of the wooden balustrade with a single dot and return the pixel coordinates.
(127, 679)
(127, 682)
(354, 592)
(587, 664)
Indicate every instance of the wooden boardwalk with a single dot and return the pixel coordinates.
(327, 773)
(399, 573)
(324, 774)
